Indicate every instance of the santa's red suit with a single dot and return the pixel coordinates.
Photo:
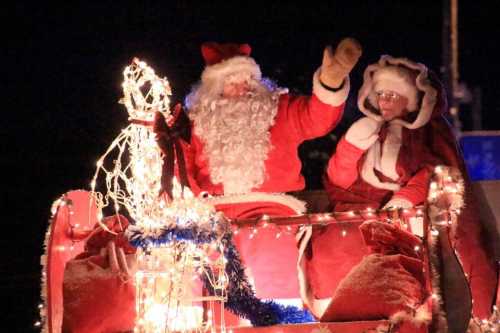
(395, 169)
(244, 154)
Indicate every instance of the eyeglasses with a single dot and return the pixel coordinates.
(388, 95)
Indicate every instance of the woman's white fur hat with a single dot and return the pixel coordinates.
(402, 76)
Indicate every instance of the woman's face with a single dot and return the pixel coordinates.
(391, 105)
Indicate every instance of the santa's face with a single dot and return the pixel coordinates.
(391, 105)
(235, 89)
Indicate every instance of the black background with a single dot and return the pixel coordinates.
(63, 71)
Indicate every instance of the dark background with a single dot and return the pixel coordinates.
(64, 64)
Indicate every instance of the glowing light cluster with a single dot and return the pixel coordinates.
(169, 268)
(168, 287)
(446, 195)
(144, 92)
(490, 325)
(405, 218)
(132, 165)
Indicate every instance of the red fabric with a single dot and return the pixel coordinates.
(214, 53)
(415, 162)
(98, 299)
(421, 151)
(386, 282)
(347, 161)
(334, 250)
(100, 237)
(378, 287)
(271, 263)
(365, 286)
(298, 119)
(387, 238)
(72, 223)
(372, 326)
(249, 210)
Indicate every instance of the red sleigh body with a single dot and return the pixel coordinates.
(73, 223)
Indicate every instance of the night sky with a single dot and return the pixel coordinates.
(64, 71)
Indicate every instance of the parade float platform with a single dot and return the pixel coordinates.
(73, 219)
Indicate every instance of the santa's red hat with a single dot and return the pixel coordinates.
(224, 60)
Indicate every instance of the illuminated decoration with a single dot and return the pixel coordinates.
(178, 236)
(491, 325)
(445, 198)
(133, 178)
(284, 224)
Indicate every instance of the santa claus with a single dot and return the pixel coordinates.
(243, 152)
(246, 131)
(387, 157)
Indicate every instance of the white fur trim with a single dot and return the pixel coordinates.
(368, 173)
(422, 316)
(387, 161)
(330, 97)
(384, 159)
(316, 306)
(232, 65)
(284, 199)
(398, 203)
(366, 92)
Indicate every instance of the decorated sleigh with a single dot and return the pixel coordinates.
(146, 255)
(445, 303)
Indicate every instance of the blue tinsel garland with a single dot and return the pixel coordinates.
(192, 234)
(241, 299)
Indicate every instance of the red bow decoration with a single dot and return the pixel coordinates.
(168, 141)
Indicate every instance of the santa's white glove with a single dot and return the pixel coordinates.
(363, 133)
(398, 203)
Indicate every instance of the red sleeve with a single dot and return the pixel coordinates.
(310, 117)
(316, 115)
(416, 188)
(342, 168)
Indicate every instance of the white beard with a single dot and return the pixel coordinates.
(236, 137)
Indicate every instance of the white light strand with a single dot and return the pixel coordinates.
(131, 169)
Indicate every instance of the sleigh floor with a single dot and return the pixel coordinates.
(344, 327)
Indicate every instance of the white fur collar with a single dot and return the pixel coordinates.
(384, 158)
